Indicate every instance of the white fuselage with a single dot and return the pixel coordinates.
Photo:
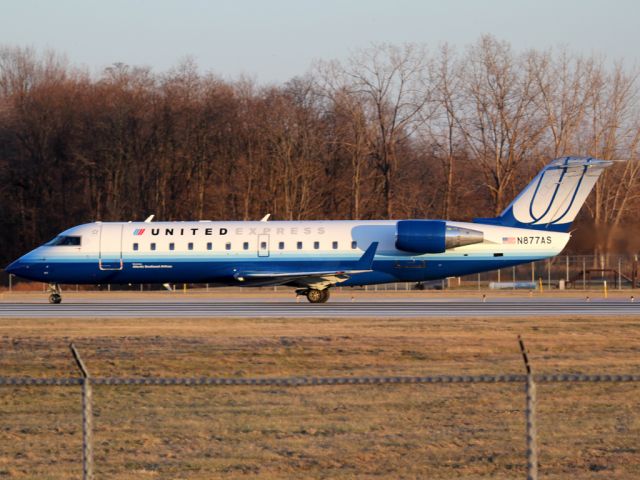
(207, 251)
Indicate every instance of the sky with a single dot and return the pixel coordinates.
(275, 40)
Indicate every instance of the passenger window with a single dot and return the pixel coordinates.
(153, 246)
(245, 245)
(299, 245)
(172, 246)
(316, 245)
(135, 247)
(335, 245)
(263, 245)
(281, 246)
(354, 244)
(227, 246)
(190, 246)
(209, 246)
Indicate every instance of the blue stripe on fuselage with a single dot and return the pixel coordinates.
(222, 272)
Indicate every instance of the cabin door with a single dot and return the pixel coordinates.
(263, 245)
(110, 256)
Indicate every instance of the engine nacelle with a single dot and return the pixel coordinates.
(433, 236)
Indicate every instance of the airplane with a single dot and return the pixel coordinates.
(314, 256)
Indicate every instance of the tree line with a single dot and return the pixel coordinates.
(393, 131)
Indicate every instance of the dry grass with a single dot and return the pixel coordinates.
(394, 431)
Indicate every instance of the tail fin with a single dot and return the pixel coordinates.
(554, 197)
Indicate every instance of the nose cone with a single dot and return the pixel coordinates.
(14, 267)
(31, 266)
(21, 267)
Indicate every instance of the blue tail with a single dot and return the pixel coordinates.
(554, 197)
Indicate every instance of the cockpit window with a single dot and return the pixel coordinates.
(64, 240)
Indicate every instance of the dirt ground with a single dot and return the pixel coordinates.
(586, 431)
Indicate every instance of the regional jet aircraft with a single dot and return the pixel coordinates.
(313, 256)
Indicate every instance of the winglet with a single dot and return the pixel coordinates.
(366, 260)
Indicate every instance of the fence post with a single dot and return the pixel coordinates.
(619, 273)
(87, 417)
(532, 433)
(533, 272)
(549, 274)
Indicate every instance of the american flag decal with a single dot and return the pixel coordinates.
(138, 231)
(509, 240)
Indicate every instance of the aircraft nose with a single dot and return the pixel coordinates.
(13, 267)
(17, 267)
(28, 267)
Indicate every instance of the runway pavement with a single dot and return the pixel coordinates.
(408, 308)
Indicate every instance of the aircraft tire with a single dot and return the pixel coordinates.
(315, 296)
(326, 293)
(55, 298)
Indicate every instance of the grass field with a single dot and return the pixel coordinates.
(395, 431)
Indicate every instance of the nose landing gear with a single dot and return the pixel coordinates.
(314, 295)
(56, 293)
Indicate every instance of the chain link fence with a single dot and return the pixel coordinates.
(563, 272)
(529, 380)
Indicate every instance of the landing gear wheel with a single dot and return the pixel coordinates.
(56, 293)
(317, 296)
(314, 296)
(325, 295)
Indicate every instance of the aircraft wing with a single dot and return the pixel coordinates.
(312, 277)
(302, 273)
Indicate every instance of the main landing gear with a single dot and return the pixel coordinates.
(56, 293)
(314, 295)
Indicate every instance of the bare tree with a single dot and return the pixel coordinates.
(613, 133)
(443, 129)
(388, 81)
(501, 125)
(390, 132)
(352, 132)
(566, 87)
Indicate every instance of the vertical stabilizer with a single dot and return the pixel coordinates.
(554, 197)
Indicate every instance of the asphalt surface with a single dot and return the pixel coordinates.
(332, 309)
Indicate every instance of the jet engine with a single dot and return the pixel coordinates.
(433, 236)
